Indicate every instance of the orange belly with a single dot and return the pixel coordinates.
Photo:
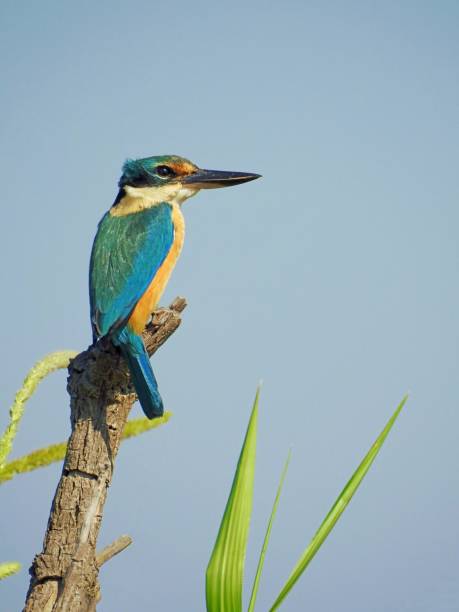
(149, 300)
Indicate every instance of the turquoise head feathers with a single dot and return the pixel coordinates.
(159, 170)
(155, 171)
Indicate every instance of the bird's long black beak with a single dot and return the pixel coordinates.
(212, 179)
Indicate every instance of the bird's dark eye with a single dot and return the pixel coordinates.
(164, 171)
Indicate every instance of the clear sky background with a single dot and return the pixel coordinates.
(334, 278)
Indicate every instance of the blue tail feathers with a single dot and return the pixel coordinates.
(143, 379)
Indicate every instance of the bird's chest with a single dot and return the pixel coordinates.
(176, 248)
(148, 302)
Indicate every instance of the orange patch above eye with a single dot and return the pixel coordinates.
(182, 168)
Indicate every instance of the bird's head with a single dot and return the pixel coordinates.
(175, 178)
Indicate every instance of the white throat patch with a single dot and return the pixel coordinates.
(183, 194)
(175, 193)
(141, 198)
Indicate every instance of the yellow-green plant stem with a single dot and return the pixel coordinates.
(8, 569)
(256, 582)
(50, 363)
(337, 509)
(56, 452)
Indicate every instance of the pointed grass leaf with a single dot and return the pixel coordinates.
(256, 582)
(337, 509)
(225, 572)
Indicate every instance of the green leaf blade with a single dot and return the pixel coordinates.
(256, 582)
(337, 509)
(225, 571)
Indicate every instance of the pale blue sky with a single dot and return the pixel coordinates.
(334, 278)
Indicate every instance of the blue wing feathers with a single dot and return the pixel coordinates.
(127, 252)
(126, 255)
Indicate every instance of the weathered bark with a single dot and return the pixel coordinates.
(64, 577)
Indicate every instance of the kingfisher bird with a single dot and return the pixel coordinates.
(136, 247)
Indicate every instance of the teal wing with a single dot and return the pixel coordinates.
(126, 254)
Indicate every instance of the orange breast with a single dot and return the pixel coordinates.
(148, 302)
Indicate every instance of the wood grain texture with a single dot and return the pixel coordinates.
(113, 549)
(64, 576)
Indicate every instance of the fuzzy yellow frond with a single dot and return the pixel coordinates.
(33, 461)
(50, 363)
(56, 452)
(138, 426)
(8, 569)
